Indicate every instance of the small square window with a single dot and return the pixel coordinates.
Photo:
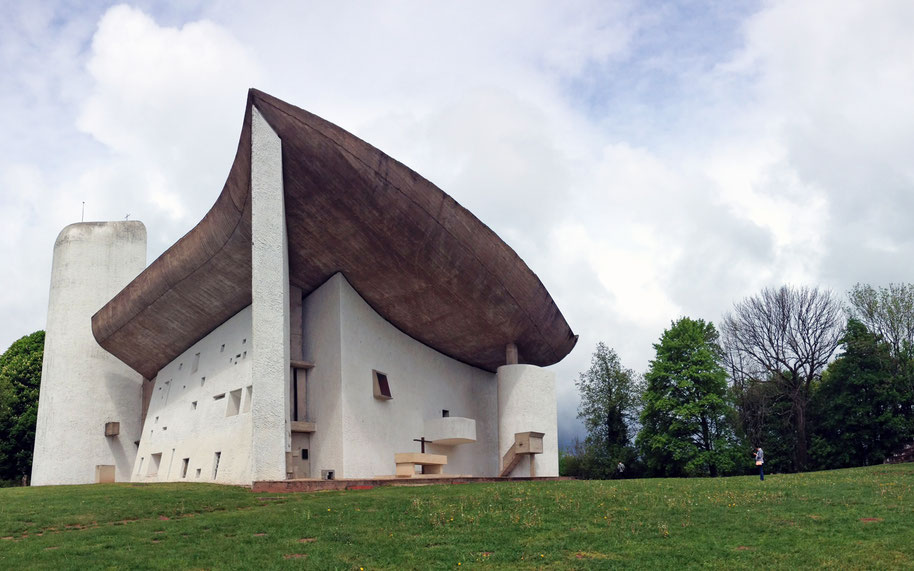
(381, 385)
(445, 413)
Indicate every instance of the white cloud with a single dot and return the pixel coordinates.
(167, 102)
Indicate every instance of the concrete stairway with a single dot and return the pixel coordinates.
(525, 444)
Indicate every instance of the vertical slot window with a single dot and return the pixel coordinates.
(154, 462)
(234, 403)
(248, 395)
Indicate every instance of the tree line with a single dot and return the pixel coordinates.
(817, 383)
(20, 376)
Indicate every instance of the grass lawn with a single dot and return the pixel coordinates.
(849, 519)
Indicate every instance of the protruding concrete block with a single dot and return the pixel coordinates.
(104, 474)
(529, 442)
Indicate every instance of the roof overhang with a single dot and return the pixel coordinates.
(421, 260)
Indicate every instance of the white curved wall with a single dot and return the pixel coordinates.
(82, 385)
(357, 435)
(526, 402)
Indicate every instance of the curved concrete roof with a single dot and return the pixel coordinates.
(421, 260)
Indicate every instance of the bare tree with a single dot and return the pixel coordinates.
(786, 336)
(887, 311)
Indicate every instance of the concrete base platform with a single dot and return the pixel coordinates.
(314, 485)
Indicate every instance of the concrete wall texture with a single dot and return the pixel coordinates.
(526, 402)
(270, 296)
(357, 435)
(201, 407)
(82, 385)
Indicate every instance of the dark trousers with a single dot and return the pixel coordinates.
(761, 471)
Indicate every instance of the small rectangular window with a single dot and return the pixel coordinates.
(220, 396)
(248, 395)
(196, 364)
(184, 464)
(234, 403)
(445, 413)
(216, 458)
(304, 453)
(154, 462)
(381, 385)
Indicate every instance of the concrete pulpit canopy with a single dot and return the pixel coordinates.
(421, 260)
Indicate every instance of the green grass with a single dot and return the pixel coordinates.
(861, 518)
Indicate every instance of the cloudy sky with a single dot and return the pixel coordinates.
(648, 160)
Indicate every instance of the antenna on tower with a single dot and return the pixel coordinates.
(82, 217)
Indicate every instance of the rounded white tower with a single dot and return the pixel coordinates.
(526, 403)
(83, 387)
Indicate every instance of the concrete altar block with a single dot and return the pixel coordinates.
(406, 463)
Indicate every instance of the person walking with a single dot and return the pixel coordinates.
(760, 462)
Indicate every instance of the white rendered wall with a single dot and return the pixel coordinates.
(321, 346)
(422, 383)
(526, 402)
(270, 302)
(184, 419)
(82, 385)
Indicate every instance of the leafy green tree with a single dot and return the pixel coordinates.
(609, 397)
(860, 410)
(687, 421)
(20, 376)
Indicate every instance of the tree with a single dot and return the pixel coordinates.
(860, 408)
(784, 336)
(20, 376)
(887, 311)
(686, 422)
(608, 400)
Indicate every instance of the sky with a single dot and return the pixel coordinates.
(648, 160)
